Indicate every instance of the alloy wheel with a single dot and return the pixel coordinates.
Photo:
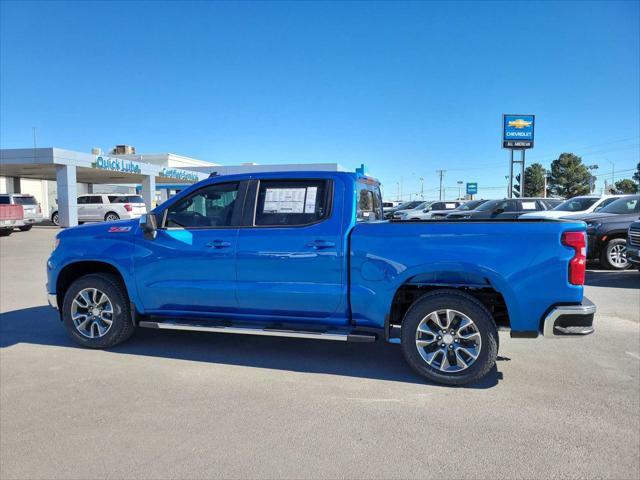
(92, 313)
(448, 340)
(618, 256)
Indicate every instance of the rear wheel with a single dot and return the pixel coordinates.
(614, 254)
(5, 232)
(25, 228)
(96, 311)
(55, 219)
(449, 337)
(111, 217)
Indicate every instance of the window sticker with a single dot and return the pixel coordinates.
(528, 205)
(284, 200)
(310, 201)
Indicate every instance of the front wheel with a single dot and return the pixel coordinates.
(55, 219)
(614, 254)
(25, 228)
(96, 311)
(5, 232)
(449, 337)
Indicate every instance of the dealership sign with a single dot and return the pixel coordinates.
(472, 188)
(517, 131)
(179, 174)
(116, 165)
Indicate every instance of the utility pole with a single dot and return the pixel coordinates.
(422, 188)
(398, 185)
(459, 189)
(613, 172)
(441, 173)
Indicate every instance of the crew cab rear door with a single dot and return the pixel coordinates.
(290, 257)
(191, 264)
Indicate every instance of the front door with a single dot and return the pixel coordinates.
(190, 266)
(291, 255)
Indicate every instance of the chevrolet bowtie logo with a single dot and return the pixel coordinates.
(519, 123)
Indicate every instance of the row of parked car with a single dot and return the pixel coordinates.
(608, 218)
(27, 211)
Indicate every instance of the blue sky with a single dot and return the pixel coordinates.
(406, 88)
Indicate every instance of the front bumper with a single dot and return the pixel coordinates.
(633, 254)
(52, 298)
(568, 320)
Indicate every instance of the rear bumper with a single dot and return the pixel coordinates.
(569, 320)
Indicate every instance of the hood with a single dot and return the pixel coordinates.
(100, 228)
(587, 217)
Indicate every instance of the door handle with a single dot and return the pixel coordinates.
(218, 244)
(319, 244)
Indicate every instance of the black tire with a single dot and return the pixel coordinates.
(111, 217)
(605, 260)
(25, 228)
(55, 219)
(5, 232)
(121, 328)
(469, 306)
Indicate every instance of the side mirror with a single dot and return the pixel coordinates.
(498, 211)
(149, 225)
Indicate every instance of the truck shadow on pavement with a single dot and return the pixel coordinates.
(613, 279)
(378, 361)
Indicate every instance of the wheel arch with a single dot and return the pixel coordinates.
(416, 286)
(71, 272)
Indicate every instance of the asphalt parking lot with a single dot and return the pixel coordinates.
(188, 405)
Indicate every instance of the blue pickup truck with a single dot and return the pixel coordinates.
(308, 255)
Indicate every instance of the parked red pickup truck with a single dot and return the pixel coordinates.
(11, 216)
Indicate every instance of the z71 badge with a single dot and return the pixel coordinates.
(119, 229)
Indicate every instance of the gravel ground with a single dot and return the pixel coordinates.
(189, 405)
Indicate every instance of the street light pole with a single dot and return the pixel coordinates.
(422, 188)
(459, 189)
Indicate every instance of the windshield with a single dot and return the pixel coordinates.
(576, 204)
(409, 205)
(472, 205)
(623, 205)
(491, 205)
(25, 200)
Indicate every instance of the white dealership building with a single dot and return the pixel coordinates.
(55, 176)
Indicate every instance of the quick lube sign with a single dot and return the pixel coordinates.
(517, 131)
(116, 165)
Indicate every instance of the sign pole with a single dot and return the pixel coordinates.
(522, 173)
(510, 193)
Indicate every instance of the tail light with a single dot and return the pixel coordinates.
(578, 264)
(128, 207)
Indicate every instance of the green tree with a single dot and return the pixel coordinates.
(534, 180)
(626, 186)
(569, 176)
(636, 176)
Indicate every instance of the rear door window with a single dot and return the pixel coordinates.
(24, 200)
(369, 202)
(125, 199)
(292, 202)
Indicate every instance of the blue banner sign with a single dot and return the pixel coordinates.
(472, 188)
(517, 131)
(116, 165)
(179, 174)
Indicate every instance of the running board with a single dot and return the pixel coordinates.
(341, 336)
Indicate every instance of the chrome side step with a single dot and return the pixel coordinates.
(269, 332)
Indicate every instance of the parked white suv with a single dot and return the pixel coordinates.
(575, 206)
(106, 208)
